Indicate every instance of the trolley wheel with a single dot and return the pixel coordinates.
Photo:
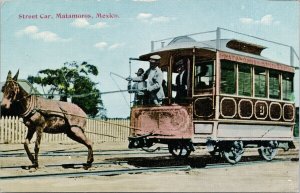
(212, 148)
(213, 153)
(233, 152)
(268, 151)
(179, 149)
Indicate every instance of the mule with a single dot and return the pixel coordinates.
(44, 115)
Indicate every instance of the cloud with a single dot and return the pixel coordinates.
(115, 46)
(34, 33)
(147, 1)
(47, 36)
(161, 19)
(246, 20)
(83, 23)
(265, 20)
(149, 18)
(99, 25)
(144, 16)
(80, 23)
(30, 30)
(101, 45)
(276, 22)
(105, 45)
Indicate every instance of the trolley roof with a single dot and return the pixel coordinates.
(226, 45)
(232, 46)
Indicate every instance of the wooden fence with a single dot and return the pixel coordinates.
(12, 130)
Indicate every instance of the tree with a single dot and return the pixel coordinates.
(72, 80)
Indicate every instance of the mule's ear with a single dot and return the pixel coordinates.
(16, 76)
(8, 75)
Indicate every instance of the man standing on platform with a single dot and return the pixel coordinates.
(154, 77)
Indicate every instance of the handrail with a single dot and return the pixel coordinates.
(256, 37)
(186, 35)
(218, 36)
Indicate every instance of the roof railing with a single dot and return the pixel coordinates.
(171, 38)
(292, 50)
(218, 35)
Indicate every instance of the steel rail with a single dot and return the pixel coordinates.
(58, 153)
(139, 170)
(77, 153)
(245, 163)
(69, 165)
(101, 172)
(73, 150)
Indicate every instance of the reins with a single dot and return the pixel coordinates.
(32, 108)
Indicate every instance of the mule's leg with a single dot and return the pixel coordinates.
(39, 132)
(29, 136)
(78, 135)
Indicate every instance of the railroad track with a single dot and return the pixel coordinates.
(81, 153)
(57, 153)
(224, 165)
(69, 165)
(101, 172)
(132, 170)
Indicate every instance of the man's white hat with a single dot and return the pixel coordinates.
(154, 58)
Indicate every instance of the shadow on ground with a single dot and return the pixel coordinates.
(193, 161)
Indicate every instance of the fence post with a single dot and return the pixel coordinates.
(7, 125)
(95, 129)
(13, 130)
(2, 130)
(20, 131)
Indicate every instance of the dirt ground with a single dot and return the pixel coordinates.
(280, 175)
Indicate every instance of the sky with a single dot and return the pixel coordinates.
(34, 37)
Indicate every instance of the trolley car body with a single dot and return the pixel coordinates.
(243, 99)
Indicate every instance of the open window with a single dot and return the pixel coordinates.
(287, 86)
(181, 82)
(204, 75)
(165, 71)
